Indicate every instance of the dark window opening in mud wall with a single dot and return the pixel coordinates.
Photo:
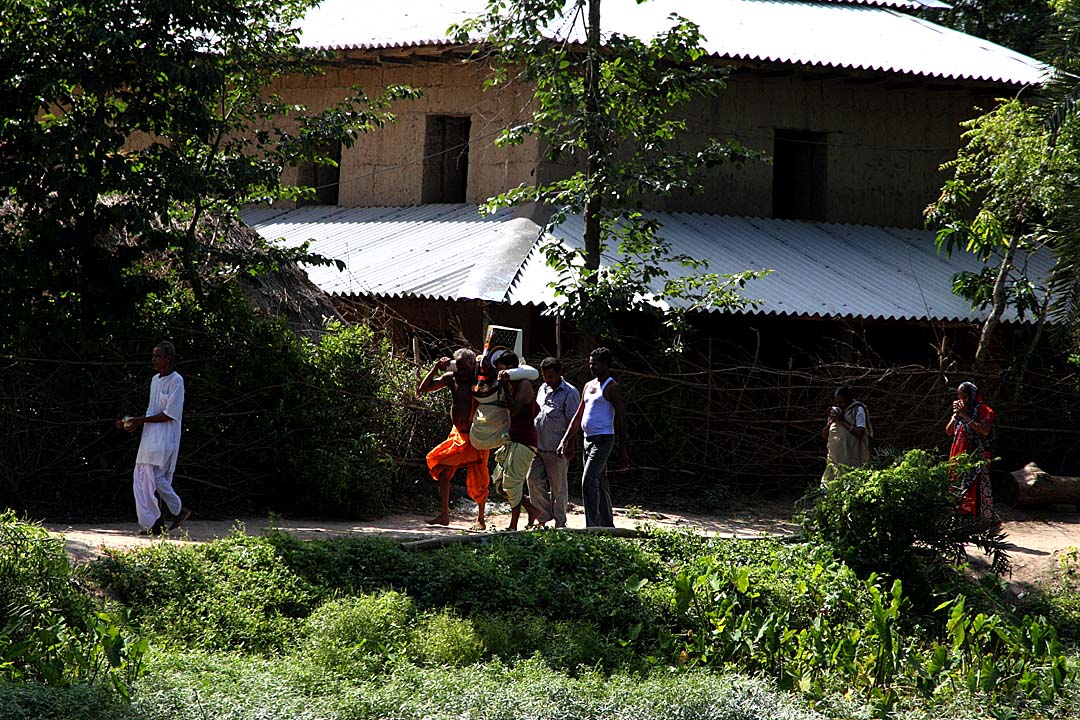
(799, 179)
(324, 178)
(446, 159)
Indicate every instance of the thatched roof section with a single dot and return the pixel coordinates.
(227, 247)
(286, 292)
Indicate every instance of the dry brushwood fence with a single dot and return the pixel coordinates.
(703, 433)
(288, 445)
(700, 435)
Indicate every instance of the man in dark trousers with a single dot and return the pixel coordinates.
(601, 414)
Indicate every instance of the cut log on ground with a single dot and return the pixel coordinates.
(481, 537)
(1034, 487)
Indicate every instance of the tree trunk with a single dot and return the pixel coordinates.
(1044, 311)
(997, 307)
(593, 152)
(1035, 487)
(593, 142)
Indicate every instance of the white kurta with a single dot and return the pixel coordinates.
(161, 441)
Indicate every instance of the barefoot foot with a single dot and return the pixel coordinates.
(439, 520)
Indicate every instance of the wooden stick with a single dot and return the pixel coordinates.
(446, 540)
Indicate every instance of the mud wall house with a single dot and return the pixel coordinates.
(857, 103)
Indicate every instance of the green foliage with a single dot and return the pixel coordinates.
(556, 575)
(348, 565)
(728, 622)
(22, 701)
(51, 631)
(334, 418)
(1002, 195)
(357, 635)
(298, 424)
(1060, 599)
(234, 593)
(562, 606)
(445, 639)
(564, 645)
(559, 576)
(615, 117)
(272, 420)
(1021, 26)
(132, 135)
(194, 686)
(876, 519)
(1003, 167)
(798, 582)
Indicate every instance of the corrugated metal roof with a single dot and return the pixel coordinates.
(819, 269)
(855, 35)
(450, 252)
(908, 4)
(425, 251)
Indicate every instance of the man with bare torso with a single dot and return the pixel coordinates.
(456, 452)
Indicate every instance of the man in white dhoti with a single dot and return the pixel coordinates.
(156, 461)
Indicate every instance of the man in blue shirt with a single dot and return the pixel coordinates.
(558, 401)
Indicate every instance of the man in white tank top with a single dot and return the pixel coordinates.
(602, 415)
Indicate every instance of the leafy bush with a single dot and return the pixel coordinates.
(727, 622)
(875, 519)
(444, 639)
(348, 565)
(334, 415)
(36, 575)
(273, 420)
(51, 631)
(1061, 598)
(26, 701)
(355, 635)
(801, 579)
(558, 576)
(565, 645)
(234, 593)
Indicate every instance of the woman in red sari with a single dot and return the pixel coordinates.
(969, 426)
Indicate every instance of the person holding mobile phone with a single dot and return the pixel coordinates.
(847, 434)
(970, 425)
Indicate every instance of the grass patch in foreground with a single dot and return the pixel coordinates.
(217, 686)
(197, 686)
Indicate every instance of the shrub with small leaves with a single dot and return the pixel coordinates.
(356, 635)
(876, 519)
(445, 639)
(234, 593)
(51, 630)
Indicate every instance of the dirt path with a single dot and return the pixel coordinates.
(88, 541)
(1037, 539)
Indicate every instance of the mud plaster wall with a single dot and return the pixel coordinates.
(886, 137)
(885, 142)
(385, 168)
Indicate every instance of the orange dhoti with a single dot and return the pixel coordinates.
(456, 452)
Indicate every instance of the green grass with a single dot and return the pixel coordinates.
(537, 626)
(201, 687)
